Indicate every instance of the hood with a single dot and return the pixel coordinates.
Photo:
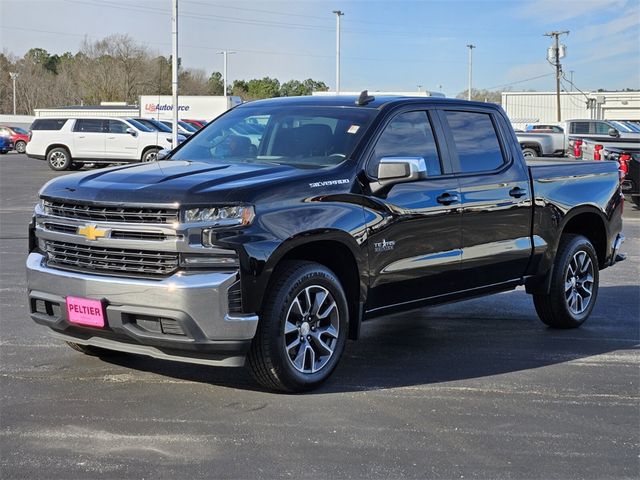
(168, 182)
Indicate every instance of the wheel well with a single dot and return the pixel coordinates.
(57, 145)
(146, 149)
(533, 146)
(338, 258)
(591, 226)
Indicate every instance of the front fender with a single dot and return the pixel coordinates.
(279, 231)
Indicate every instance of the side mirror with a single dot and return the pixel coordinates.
(162, 154)
(614, 133)
(132, 132)
(392, 170)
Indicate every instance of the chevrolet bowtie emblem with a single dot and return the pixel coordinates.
(91, 232)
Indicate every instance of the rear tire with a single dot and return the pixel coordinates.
(636, 200)
(302, 330)
(21, 146)
(529, 153)
(59, 159)
(574, 284)
(93, 351)
(150, 155)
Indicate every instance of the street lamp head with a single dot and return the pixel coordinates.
(338, 12)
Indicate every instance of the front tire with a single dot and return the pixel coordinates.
(21, 146)
(302, 330)
(59, 159)
(574, 284)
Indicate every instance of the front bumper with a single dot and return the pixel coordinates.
(182, 317)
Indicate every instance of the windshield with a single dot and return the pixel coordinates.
(301, 136)
(187, 126)
(139, 125)
(621, 126)
(160, 126)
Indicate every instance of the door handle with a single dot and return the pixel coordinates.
(448, 198)
(81, 136)
(518, 192)
(111, 138)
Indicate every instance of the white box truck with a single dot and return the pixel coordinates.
(192, 107)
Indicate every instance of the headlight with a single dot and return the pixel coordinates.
(221, 216)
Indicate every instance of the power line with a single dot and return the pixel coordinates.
(519, 81)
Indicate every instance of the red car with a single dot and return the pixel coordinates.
(196, 123)
(20, 137)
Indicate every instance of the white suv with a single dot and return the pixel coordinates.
(71, 142)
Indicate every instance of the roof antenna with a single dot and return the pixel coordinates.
(365, 98)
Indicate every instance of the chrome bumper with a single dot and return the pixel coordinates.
(195, 305)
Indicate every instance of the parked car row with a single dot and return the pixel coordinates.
(13, 138)
(70, 143)
(565, 138)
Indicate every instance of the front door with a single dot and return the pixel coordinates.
(414, 237)
(120, 144)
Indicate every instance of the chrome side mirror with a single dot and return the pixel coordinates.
(614, 133)
(392, 170)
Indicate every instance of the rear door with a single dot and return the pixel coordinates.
(414, 234)
(495, 194)
(121, 145)
(89, 138)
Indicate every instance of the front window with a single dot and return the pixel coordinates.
(301, 136)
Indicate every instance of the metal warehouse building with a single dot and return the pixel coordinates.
(531, 107)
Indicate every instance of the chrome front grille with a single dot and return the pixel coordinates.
(93, 259)
(110, 213)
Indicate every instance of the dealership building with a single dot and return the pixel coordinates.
(540, 107)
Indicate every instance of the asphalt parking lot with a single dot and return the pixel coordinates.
(478, 389)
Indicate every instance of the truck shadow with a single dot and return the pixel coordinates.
(473, 339)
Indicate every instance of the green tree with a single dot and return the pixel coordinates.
(482, 95)
(240, 88)
(263, 88)
(215, 84)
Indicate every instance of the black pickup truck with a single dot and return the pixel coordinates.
(271, 234)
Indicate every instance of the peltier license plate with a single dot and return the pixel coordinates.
(85, 311)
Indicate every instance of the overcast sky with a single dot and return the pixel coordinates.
(386, 45)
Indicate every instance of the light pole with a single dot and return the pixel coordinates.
(174, 73)
(470, 47)
(13, 76)
(224, 53)
(338, 15)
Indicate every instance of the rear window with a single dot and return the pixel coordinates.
(476, 141)
(48, 124)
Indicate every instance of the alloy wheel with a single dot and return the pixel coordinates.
(578, 285)
(311, 329)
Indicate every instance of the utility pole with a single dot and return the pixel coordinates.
(338, 15)
(470, 47)
(556, 63)
(224, 53)
(174, 73)
(13, 76)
